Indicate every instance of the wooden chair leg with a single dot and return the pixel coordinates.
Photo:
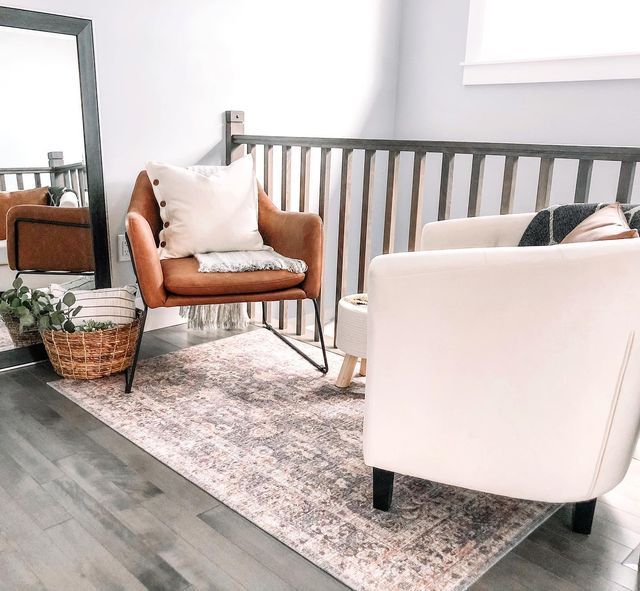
(346, 371)
(363, 366)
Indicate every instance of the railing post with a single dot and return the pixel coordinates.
(234, 125)
(56, 159)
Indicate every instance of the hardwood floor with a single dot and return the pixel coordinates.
(83, 508)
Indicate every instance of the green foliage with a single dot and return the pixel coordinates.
(59, 316)
(94, 326)
(33, 307)
(24, 304)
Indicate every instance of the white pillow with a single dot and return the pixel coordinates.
(69, 199)
(84, 282)
(115, 304)
(212, 212)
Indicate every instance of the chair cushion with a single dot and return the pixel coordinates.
(181, 276)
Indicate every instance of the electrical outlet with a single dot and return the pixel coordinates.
(123, 249)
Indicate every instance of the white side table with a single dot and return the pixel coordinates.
(352, 336)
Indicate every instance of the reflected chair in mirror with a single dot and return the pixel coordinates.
(37, 237)
(48, 240)
(177, 282)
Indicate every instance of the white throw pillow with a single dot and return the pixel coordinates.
(115, 304)
(82, 283)
(69, 199)
(212, 212)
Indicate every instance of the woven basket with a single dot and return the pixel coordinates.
(91, 355)
(21, 339)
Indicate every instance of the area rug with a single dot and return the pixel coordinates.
(254, 425)
(5, 338)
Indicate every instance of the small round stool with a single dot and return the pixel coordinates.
(351, 336)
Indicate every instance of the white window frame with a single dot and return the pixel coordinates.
(620, 66)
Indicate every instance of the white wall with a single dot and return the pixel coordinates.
(433, 104)
(168, 69)
(40, 108)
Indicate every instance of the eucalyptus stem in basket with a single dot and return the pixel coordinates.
(59, 316)
(24, 304)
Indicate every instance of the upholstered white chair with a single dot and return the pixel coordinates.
(514, 371)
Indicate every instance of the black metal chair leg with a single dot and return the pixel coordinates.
(130, 373)
(321, 368)
(382, 489)
(582, 518)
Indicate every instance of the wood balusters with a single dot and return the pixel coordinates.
(389, 231)
(417, 188)
(414, 194)
(251, 150)
(303, 205)
(446, 182)
(366, 215)
(323, 210)
(625, 181)
(475, 185)
(508, 184)
(285, 205)
(267, 162)
(343, 217)
(545, 176)
(583, 181)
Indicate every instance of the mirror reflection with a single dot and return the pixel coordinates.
(45, 233)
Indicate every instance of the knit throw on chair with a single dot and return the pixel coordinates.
(230, 316)
(551, 225)
(215, 316)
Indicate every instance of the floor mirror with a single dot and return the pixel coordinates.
(53, 228)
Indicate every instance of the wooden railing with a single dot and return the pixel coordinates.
(56, 174)
(546, 155)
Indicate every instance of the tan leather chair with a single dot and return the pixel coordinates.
(177, 282)
(43, 239)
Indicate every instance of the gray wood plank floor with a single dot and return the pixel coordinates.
(84, 508)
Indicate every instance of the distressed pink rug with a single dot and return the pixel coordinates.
(254, 425)
(6, 343)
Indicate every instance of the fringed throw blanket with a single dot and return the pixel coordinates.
(224, 316)
(229, 316)
(551, 225)
(248, 260)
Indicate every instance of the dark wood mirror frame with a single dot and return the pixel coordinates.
(82, 30)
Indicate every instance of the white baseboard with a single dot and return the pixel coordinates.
(162, 317)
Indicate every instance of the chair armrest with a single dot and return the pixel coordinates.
(296, 235)
(144, 255)
(46, 238)
(478, 232)
(503, 363)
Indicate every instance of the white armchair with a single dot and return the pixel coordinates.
(514, 371)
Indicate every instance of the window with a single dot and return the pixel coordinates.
(512, 41)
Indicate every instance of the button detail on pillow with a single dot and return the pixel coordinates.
(206, 209)
(608, 223)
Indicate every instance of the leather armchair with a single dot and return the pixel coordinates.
(49, 239)
(177, 282)
(514, 371)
